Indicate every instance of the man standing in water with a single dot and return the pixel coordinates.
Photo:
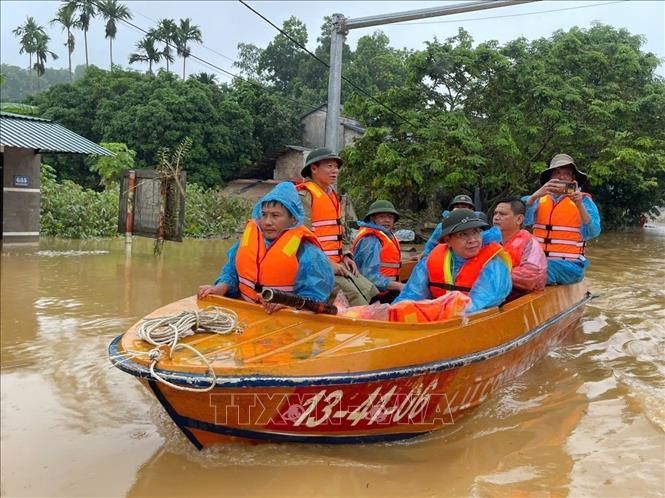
(563, 218)
(323, 214)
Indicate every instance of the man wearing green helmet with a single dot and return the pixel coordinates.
(376, 250)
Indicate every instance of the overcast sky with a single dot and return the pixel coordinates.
(224, 24)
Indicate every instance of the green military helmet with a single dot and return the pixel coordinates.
(381, 206)
(461, 219)
(461, 199)
(317, 155)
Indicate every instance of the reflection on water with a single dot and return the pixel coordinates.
(589, 420)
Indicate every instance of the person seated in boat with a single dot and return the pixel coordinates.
(461, 201)
(275, 251)
(529, 270)
(563, 219)
(462, 261)
(326, 218)
(376, 250)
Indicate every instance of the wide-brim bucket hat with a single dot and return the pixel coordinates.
(381, 206)
(461, 199)
(461, 219)
(317, 155)
(559, 161)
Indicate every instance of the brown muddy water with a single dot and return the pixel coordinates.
(588, 420)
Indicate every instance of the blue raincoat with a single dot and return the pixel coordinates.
(492, 234)
(314, 279)
(567, 272)
(491, 289)
(367, 255)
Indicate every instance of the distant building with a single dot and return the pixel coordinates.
(287, 162)
(22, 141)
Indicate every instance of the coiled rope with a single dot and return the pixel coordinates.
(166, 331)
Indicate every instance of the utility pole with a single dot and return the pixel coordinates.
(340, 28)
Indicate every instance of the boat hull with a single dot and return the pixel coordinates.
(353, 407)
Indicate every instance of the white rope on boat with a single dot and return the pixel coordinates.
(168, 330)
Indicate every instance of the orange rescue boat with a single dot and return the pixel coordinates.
(297, 376)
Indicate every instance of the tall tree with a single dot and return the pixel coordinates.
(86, 10)
(41, 54)
(113, 12)
(66, 16)
(148, 52)
(167, 33)
(187, 32)
(27, 35)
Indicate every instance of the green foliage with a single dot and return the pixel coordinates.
(23, 109)
(492, 116)
(70, 211)
(110, 168)
(21, 83)
(208, 213)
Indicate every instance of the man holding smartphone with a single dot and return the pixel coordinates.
(563, 219)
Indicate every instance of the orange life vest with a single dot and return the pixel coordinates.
(515, 246)
(558, 229)
(326, 219)
(440, 268)
(390, 255)
(276, 267)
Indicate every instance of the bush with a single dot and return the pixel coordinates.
(70, 211)
(210, 214)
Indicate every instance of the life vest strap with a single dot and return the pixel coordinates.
(391, 265)
(325, 238)
(556, 228)
(334, 252)
(450, 287)
(322, 223)
(543, 240)
(564, 256)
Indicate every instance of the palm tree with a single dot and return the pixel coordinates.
(66, 16)
(186, 32)
(147, 52)
(41, 54)
(86, 10)
(27, 35)
(113, 12)
(167, 32)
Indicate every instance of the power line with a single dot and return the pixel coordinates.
(507, 15)
(299, 45)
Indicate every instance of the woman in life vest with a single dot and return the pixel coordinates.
(529, 271)
(325, 217)
(376, 250)
(461, 201)
(462, 262)
(563, 219)
(275, 251)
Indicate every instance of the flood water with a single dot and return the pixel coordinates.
(588, 420)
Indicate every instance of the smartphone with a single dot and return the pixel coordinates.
(570, 187)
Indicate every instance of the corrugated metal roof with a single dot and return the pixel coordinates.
(38, 133)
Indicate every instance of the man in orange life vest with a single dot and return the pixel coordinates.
(563, 219)
(529, 262)
(376, 250)
(275, 251)
(462, 262)
(323, 214)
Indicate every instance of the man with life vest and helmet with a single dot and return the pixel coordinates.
(275, 251)
(529, 270)
(563, 219)
(376, 250)
(325, 217)
(461, 201)
(462, 262)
